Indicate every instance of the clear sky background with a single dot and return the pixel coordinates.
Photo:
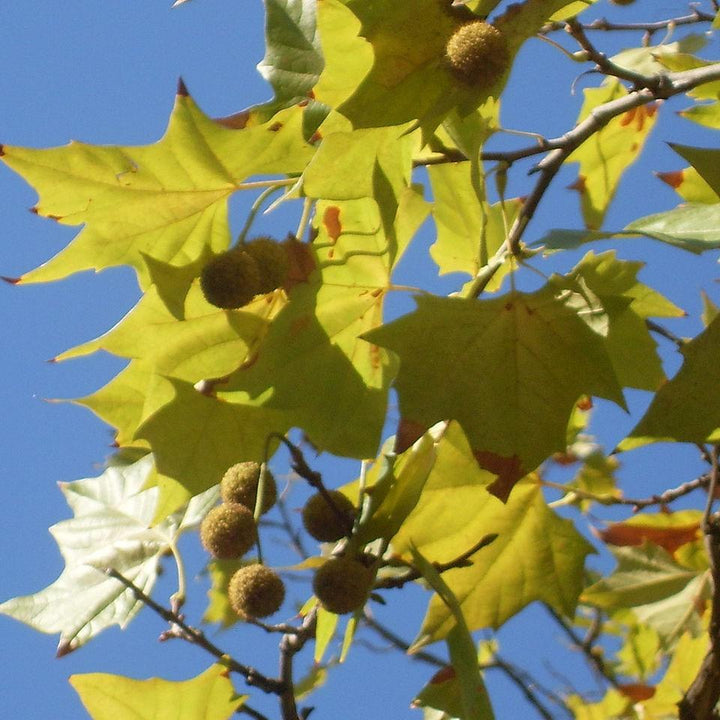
(106, 72)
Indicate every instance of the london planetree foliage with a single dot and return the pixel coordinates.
(468, 416)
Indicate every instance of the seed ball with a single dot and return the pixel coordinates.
(240, 485)
(342, 584)
(477, 54)
(272, 262)
(228, 531)
(230, 280)
(322, 522)
(255, 591)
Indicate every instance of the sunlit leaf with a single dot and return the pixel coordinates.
(609, 152)
(705, 160)
(110, 697)
(536, 556)
(688, 184)
(167, 201)
(219, 609)
(112, 528)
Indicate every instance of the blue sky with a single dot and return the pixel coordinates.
(106, 72)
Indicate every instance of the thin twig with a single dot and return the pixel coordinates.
(593, 657)
(702, 696)
(290, 645)
(667, 334)
(696, 16)
(414, 574)
(247, 710)
(396, 641)
(179, 628)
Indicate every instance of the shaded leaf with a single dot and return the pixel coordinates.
(684, 409)
(209, 696)
(524, 361)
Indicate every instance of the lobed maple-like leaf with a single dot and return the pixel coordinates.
(509, 369)
(112, 528)
(166, 201)
(605, 156)
(536, 556)
(209, 696)
(685, 409)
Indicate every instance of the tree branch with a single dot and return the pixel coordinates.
(182, 630)
(290, 645)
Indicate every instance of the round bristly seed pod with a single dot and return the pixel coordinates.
(240, 485)
(230, 280)
(342, 584)
(477, 54)
(323, 522)
(255, 591)
(228, 531)
(272, 261)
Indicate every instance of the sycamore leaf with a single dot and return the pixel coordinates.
(682, 670)
(706, 162)
(694, 227)
(409, 79)
(510, 370)
(632, 349)
(614, 706)
(293, 59)
(315, 343)
(643, 575)
(609, 152)
(209, 696)
(469, 231)
(536, 556)
(166, 201)
(112, 528)
(688, 184)
(461, 648)
(668, 530)
(685, 409)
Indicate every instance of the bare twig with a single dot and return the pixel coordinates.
(245, 709)
(179, 628)
(593, 656)
(414, 574)
(696, 16)
(637, 504)
(396, 641)
(290, 645)
(702, 696)
(293, 535)
(668, 334)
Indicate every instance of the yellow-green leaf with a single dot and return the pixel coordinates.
(536, 556)
(167, 201)
(609, 152)
(209, 696)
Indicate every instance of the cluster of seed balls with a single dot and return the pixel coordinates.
(233, 278)
(256, 591)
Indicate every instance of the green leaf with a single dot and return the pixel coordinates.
(523, 362)
(694, 227)
(685, 409)
(644, 575)
(461, 648)
(469, 230)
(628, 302)
(112, 528)
(536, 556)
(293, 59)
(166, 201)
(705, 160)
(209, 696)
(605, 156)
